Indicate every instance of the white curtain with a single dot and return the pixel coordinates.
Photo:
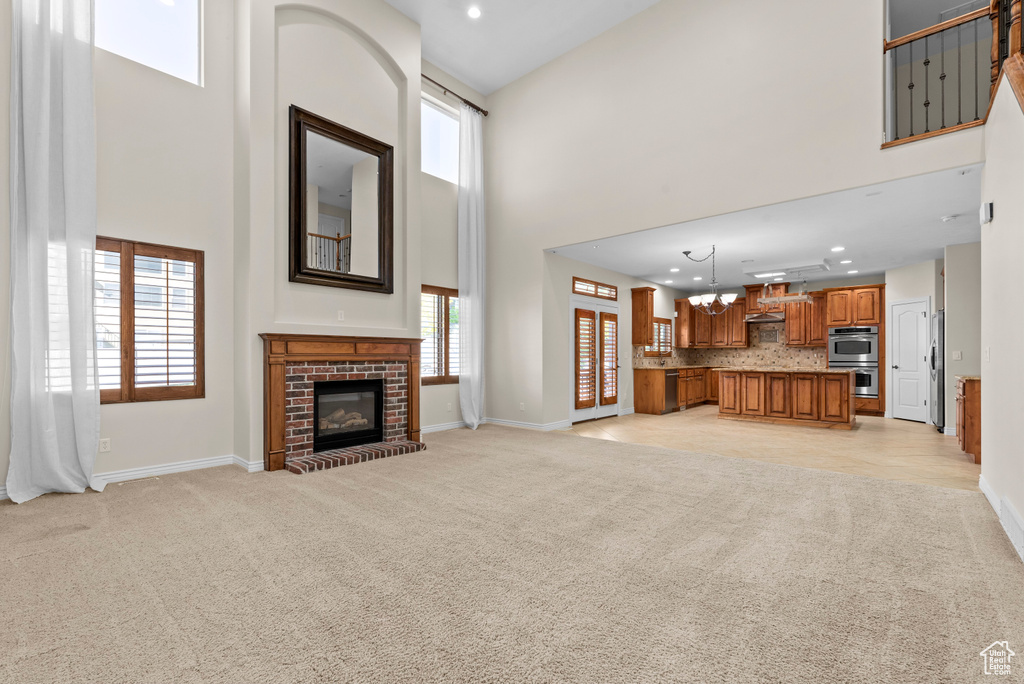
(54, 393)
(471, 267)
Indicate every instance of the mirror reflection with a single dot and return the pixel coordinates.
(342, 226)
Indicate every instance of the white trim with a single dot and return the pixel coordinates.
(165, 469)
(3, 493)
(949, 431)
(247, 466)
(890, 394)
(442, 427)
(1009, 517)
(560, 425)
(626, 411)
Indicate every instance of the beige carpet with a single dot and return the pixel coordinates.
(509, 556)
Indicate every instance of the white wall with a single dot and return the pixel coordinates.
(354, 62)
(1002, 366)
(638, 128)
(915, 281)
(963, 318)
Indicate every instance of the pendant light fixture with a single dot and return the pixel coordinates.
(711, 303)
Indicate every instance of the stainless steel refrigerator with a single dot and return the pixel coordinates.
(937, 369)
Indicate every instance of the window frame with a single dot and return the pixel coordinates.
(128, 392)
(448, 293)
(657, 349)
(597, 289)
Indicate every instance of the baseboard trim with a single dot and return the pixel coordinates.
(442, 427)
(3, 494)
(1009, 517)
(247, 466)
(626, 412)
(949, 431)
(549, 427)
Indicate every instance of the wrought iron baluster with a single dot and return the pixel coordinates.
(959, 75)
(910, 87)
(942, 76)
(927, 102)
(896, 93)
(975, 25)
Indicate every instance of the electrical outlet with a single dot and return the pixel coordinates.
(958, 356)
(449, 406)
(341, 315)
(522, 406)
(105, 445)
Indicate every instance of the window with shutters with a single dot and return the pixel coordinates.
(593, 288)
(609, 358)
(439, 328)
(148, 305)
(662, 339)
(586, 359)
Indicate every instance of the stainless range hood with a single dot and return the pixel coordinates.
(764, 318)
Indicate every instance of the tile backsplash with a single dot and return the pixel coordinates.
(759, 353)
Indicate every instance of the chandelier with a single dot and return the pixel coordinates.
(711, 303)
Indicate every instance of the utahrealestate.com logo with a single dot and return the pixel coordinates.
(997, 658)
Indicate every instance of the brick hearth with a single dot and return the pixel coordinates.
(295, 362)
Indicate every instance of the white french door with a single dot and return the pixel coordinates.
(909, 360)
(595, 355)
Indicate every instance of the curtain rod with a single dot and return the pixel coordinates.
(448, 91)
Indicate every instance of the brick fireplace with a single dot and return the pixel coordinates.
(300, 368)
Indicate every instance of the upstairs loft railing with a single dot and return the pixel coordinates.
(941, 78)
(329, 252)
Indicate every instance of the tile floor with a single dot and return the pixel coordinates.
(877, 447)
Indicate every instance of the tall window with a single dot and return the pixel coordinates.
(439, 325)
(439, 140)
(149, 321)
(162, 34)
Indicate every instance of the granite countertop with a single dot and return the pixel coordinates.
(784, 369)
(967, 377)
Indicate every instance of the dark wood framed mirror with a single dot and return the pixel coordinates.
(341, 204)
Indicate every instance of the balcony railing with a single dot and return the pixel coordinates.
(329, 253)
(941, 79)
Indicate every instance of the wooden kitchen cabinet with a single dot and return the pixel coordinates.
(695, 388)
(752, 394)
(804, 387)
(867, 306)
(737, 325)
(711, 386)
(805, 323)
(643, 316)
(729, 392)
(777, 395)
(685, 320)
(755, 292)
(720, 328)
(702, 329)
(968, 416)
(839, 308)
(836, 398)
(856, 306)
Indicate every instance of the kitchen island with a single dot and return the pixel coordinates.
(813, 397)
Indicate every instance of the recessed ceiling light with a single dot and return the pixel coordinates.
(852, 272)
(778, 279)
(474, 13)
(668, 282)
(838, 249)
(673, 270)
(596, 246)
(770, 275)
(847, 261)
(747, 261)
(697, 278)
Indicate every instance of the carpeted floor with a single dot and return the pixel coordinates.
(509, 556)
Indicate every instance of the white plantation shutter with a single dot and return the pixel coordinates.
(586, 359)
(439, 329)
(149, 313)
(609, 359)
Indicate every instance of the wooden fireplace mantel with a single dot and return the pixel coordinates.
(281, 349)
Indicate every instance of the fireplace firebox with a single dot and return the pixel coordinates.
(347, 413)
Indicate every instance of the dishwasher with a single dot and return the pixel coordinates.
(671, 391)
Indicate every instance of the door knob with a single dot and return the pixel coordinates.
(896, 367)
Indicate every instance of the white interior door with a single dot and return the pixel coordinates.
(909, 360)
(595, 360)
